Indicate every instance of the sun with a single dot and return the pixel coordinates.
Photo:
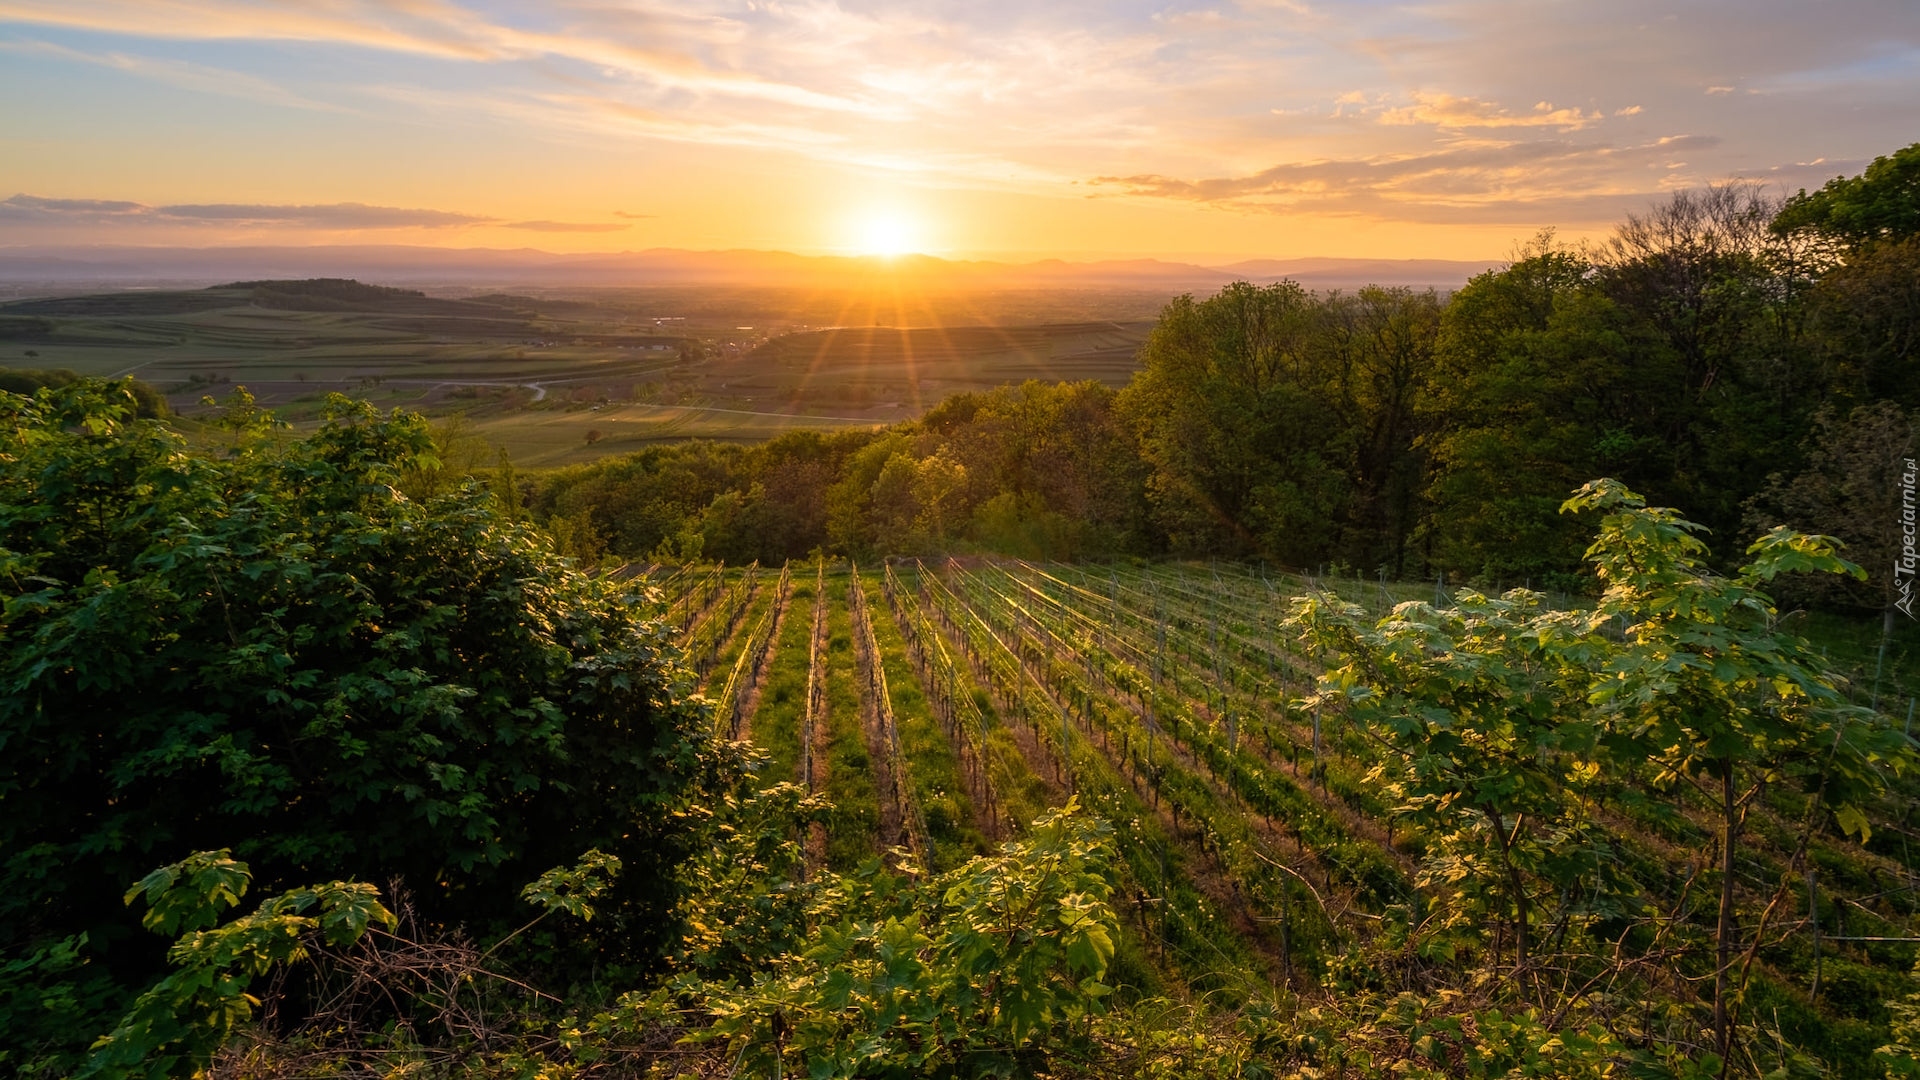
(886, 233)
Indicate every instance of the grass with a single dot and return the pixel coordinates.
(934, 777)
(1024, 796)
(853, 828)
(783, 699)
(547, 438)
(765, 597)
(1852, 643)
(864, 366)
(1182, 922)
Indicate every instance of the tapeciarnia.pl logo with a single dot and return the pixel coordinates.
(1903, 567)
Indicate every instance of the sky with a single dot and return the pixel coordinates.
(1007, 129)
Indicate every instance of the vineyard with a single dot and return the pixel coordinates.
(941, 705)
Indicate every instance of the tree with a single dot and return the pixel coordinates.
(275, 651)
(1850, 490)
(1881, 204)
(641, 501)
(1690, 266)
(1237, 430)
(1490, 755)
(1865, 315)
(1698, 288)
(938, 486)
(795, 471)
(1710, 690)
(865, 506)
(1536, 386)
(1380, 348)
(1050, 471)
(1500, 712)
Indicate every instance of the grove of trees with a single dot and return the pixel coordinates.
(1718, 353)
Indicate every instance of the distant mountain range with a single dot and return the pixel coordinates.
(41, 269)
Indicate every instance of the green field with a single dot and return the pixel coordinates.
(1259, 844)
(911, 369)
(536, 375)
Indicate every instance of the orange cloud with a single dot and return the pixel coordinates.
(1449, 111)
(1497, 181)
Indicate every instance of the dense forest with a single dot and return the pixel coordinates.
(322, 755)
(1752, 359)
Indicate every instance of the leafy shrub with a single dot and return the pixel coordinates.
(182, 1019)
(148, 402)
(984, 970)
(278, 653)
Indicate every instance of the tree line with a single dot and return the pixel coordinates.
(1747, 356)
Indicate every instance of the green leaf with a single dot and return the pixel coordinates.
(1853, 821)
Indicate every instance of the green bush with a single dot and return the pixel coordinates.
(147, 401)
(277, 652)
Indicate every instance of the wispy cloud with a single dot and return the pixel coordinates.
(424, 27)
(1517, 179)
(565, 226)
(201, 78)
(442, 30)
(35, 204)
(332, 216)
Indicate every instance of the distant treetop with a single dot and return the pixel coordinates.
(148, 402)
(1882, 203)
(331, 288)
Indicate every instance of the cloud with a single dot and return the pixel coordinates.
(565, 226)
(37, 204)
(200, 78)
(656, 45)
(634, 217)
(328, 216)
(1448, 111)
(337, 216)
(420, 26)
(1497, 181)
